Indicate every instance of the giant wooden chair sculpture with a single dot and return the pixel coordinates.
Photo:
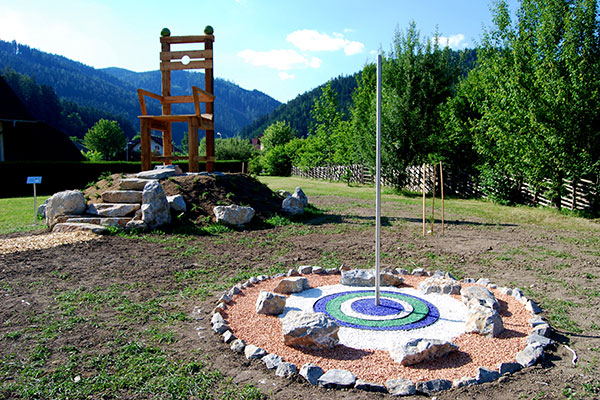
(181, 60)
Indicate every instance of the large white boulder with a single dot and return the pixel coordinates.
(68, 202)
(270, 303)
(155, 207)
(292, 205)
(417, 350)
(299, 194)
(309, 330)
(234, 215)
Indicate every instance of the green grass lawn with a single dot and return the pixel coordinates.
(17, 214)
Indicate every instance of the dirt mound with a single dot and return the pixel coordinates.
(204, 192)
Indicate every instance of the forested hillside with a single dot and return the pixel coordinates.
(296, 112)
(113, 91)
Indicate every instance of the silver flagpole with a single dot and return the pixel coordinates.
(378, 185)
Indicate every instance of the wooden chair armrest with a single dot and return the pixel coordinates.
(141, 95)
(201, 96)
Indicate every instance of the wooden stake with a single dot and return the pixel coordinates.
(423, 199)
(433, 202)
(442, 193)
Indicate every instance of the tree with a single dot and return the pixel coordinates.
(105, 137)
(533, 99)
(277, 134)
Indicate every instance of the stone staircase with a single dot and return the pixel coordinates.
(117, 209)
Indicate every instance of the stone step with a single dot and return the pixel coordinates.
(122, 196)
(134, 183)
(116, 222)
(112, 209)
(79, 227)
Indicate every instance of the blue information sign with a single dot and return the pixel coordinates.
(34, 179)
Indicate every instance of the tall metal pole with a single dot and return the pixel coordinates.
(378, 184)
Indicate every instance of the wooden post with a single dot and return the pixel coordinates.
(433, 201)
(210, 109)
(166, 108)
(145, 144)
(442, 193)
(193, 144)
(423, 199)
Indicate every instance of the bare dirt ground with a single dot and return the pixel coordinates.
(560, 269)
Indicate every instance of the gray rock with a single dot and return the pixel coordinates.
(220, 327)
(122, 196)
(332, 271)
(532, 307)
(464, 381)
(305, 269)
(41, 211)
(474, 296)
(234, 215)
(270, 303)
(369, 386)
(529, 355)
(358, 277)
(317, 270)
(419, 272)
(286, 370)
(160, 172)
(133, 184)
(80, 227)
(155, 207)
(439, 284)
(483, 281)
(236, 289)
(506, 291)
(272, 361)
(509, 368)
(311, 373)
(112, 209)
(433, 386)
(228, 337)
(484, 321)
(310, 330)
(400, 387)
(117, 222)
(536, 320)
(295, 284)
(238, 345)
(542, 330)
(253, 280)
(337, 379)
(486, 375)
(292, 205)
(177, 203)
(225, 298)
(136, 225)
(517, 294)
(216, 318)
(538, 340)
(402, 271)
(468, 280)
(299, 194)
(253, 352)
(293, 272)
(418, 350)
(68, 202)
(390, 279)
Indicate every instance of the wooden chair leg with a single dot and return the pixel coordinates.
(193, 144)
(167, 146)
(210, 151)
(145, 144)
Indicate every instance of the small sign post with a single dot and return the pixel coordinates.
(34, 180)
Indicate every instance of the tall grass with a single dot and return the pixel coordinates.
(17, 214)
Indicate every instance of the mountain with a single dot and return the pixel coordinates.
(297, 111)
(113, 90)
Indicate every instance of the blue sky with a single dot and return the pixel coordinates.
(280, 47)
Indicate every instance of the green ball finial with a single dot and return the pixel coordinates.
(165, 32)
(209, 30)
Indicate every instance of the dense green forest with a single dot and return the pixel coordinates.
(526, 109)
(113, 91)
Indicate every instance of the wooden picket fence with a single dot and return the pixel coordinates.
(581, 196)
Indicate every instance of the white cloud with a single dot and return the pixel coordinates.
(311, 40)
(285, 76)
(454, 42)
(281, 60)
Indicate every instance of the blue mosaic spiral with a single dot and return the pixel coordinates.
(396, 311)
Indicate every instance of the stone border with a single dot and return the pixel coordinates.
(537, 341)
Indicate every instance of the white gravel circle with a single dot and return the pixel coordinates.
(452, 321)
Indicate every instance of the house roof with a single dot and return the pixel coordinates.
(11, 107)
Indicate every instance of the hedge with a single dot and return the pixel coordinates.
(66, 175)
